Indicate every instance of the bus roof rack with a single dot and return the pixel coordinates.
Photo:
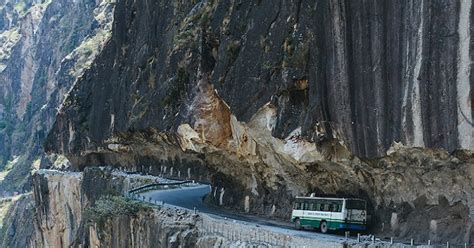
(333, 195)
(329, 198)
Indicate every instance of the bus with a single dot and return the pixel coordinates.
(329, 213)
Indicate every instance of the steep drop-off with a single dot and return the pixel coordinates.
(44, 47)
(272, 99)
(63, 218)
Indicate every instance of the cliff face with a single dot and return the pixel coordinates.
(45, 46)
(365, 73)
(18, 223)
(61, 200)
(86, 209)
(272, 99)
(63, 203)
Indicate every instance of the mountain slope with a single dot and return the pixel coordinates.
(48, 46)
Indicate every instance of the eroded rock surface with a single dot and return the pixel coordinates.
(61, 202)
(272, 99)
(45, 46)
(64, 217)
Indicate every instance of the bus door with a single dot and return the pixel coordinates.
(327, 207)
(335, 209)
(304, 212)
(305, 208)
(349, 215)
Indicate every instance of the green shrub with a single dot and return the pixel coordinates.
(108, 207)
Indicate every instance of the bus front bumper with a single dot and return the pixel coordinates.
(352, 226)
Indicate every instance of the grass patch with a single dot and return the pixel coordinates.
(9, 166)
(4, 207)
(20, 7)
(8, 40)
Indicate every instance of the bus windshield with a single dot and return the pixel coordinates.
(355, 204)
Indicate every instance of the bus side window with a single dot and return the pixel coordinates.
(297, 205)
(315, 207)
(339, 206)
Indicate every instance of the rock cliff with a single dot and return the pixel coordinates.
(71, 211)
(264, 99)
(364, 73)
(63, 202)
(17, 225)
(272, 99)
(44, 47)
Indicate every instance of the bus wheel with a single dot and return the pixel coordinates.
(323, 227)
(298, 224)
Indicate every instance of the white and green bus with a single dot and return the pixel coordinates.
(329, 213)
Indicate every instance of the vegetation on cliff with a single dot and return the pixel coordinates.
(107, 207)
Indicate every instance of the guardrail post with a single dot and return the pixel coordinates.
(465, 245)
(373, 239)
(347, 234)
(429, 242)
(391, 240)
(358, 237)
(447, 244)
(411, 242)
